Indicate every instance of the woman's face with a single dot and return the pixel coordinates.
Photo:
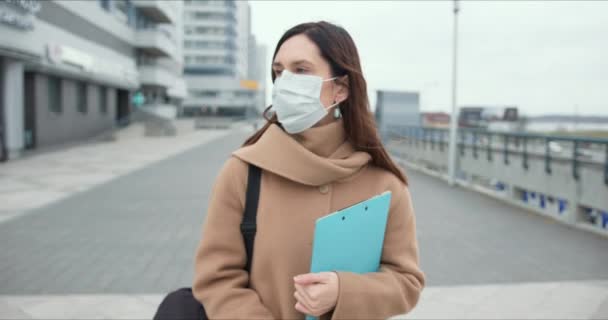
(302, 56)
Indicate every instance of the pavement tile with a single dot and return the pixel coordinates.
(8, 311)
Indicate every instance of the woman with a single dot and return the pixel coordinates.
(320, 152)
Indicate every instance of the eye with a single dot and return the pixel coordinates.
(277, 72)
(301, 70)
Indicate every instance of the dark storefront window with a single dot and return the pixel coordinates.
(103, 100)
(82, 102)
(54, 94)
(105, 4)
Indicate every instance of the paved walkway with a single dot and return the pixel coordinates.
(39, 180)
(537, 300)
(553, 300)
(111, 250)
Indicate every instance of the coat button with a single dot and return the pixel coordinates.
(324, 189)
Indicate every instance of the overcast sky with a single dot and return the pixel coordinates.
(542, 56)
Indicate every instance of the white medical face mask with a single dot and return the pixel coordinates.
(296, 99)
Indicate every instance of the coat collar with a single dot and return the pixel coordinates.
(317, 156)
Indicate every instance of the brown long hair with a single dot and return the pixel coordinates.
(338, 48)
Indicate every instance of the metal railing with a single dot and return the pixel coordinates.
(552, 148)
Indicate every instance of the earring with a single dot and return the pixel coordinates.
(337, 113)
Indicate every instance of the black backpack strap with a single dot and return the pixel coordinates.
(248, 225)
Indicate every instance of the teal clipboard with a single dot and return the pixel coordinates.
(351, 239)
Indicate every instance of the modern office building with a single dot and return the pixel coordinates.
(218, 51)
(68, 68)
(435, 119)
(258, 69)
(396, 110)
(483, 116)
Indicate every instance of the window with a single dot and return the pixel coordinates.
(213, 30)
(243, 94)
(207, 16)
(200, 44)
(229, 60)
(211, 94)
(54, 93)
(82, 98)
(125, 11)
(103, 100)
(203, 93)
(120, 11)
(144, 59)
(105, 4)
(216, 3)
(210, 59)
(210, 71)
(142, 21)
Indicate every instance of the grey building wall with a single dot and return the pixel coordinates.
(70, 124)
(77, 41)
(81, 24)
(397, 109)
(11, 80)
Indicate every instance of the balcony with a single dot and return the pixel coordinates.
(213, 23)
(221, 103)
(227, 7)
(218, 52)
(179, 89)
(210, 69)
(156, 42)
(158, 10)
(154, 75)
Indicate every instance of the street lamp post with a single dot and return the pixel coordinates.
(454, 116)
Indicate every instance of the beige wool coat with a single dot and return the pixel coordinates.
(304, 177)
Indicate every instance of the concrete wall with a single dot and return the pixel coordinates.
(71, 124)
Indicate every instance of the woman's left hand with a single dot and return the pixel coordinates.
(316, 293)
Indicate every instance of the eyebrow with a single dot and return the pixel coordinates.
(298, 62)
(302, 62)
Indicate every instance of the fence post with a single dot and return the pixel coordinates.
(475, 144)
(547, 156)
(489, 146)
(525, 153)
(505, 149)
(606, 166)
(462, 141)
(575, 155)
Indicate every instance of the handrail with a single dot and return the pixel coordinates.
(521, 135)
(469, 138)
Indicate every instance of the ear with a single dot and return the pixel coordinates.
(342, 89)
